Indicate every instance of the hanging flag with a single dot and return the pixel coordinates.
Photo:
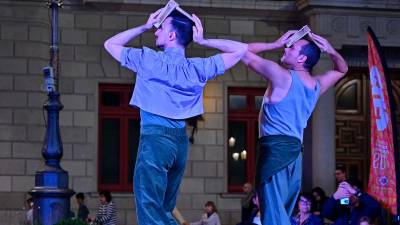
(382, 179)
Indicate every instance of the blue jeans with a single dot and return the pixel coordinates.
(159, 169)
(278, 195)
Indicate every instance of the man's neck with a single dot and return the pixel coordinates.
(173, 45)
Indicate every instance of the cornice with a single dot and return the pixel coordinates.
(389, 5)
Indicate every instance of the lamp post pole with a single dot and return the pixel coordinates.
(51, 193)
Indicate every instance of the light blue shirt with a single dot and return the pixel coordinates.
(289, 116)
(147, 118)
(168, 84)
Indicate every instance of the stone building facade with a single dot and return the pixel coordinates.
(85, 24)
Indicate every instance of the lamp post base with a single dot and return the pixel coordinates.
(51, 196)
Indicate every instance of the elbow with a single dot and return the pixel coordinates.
(244, 49)
(246, 58)
(251, 49)
(344, 70)
(107, 45)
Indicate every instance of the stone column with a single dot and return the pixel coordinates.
(323, 135)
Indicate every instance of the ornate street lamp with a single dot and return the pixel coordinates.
(51, 193)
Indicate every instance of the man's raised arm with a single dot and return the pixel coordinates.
(233, 50)
(268, 69)
(340, 68)
(115, 44)
(258, 47)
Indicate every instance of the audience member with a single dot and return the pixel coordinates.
(349, 203)
(106, 214)
(83, 211)
(210, 216)
(319, 200)
(304, 216)
(340, 174)
(247, 204)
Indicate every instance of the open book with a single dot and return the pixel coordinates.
(305, 30)
(171, 6)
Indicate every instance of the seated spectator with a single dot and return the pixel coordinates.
(304, 216)
(319, 200)
(349, 203)
(106, 214)
(83, 211)
(247, 204)
(210, 216)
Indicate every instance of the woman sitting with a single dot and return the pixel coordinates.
(210, 216)
(305, 217)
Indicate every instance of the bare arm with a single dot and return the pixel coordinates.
(178, 216)
(233, 50)
(261, 47)
(115, 44)
(268, 69)
(340, 68)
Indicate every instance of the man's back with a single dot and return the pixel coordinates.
(167, 83)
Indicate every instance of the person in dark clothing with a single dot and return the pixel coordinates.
(83, 211)
(247, 204)
(319, 200)
(349, 203)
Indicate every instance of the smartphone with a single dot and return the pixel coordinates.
(344, 201)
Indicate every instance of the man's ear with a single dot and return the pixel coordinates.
(172, 35)
(301, 58)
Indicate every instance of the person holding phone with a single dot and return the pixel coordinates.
(349, 203)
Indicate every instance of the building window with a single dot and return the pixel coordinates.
(119, 130)
(244, 105)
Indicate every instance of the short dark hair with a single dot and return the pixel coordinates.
(212, 204)
(80, 195)
(311, 50)
(106, 195)
(307, 196)
(341, 168)
(183, 28)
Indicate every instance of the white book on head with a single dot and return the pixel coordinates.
(298, 35)
(166, 11)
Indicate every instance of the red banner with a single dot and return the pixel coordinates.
(382, 179)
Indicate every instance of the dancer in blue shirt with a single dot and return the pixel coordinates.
(168, 89)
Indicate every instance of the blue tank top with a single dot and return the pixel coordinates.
(290, 115)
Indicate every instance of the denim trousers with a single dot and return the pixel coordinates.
(159, 169)
(278, 195)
